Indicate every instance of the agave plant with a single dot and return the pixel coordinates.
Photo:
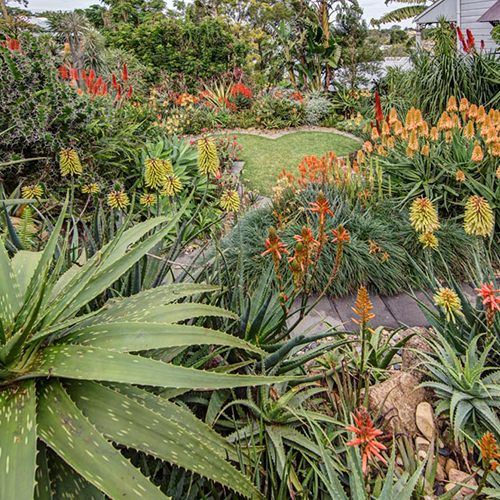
(69, 375)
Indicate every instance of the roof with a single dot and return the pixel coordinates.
(439, 9)
(492, 14)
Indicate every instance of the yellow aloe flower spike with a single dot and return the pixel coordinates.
(478, 218)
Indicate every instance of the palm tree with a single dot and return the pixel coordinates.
(410, 9)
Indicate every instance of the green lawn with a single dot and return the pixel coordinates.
(265, 158)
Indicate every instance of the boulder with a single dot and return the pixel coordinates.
(456, 477)
(411, 359)
(424, 417)
(399, 398)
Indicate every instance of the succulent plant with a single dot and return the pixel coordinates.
(70, 375)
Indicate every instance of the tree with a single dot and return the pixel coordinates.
(398, 36)
(358, 54)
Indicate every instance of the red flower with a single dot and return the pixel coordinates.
(489, 294)
(379, 115)
(341, 234)
(113, 77)
(84, 75)
(91, 74)
(119, 92)
(471, 43)
(13, 44)
(366, 438)
(125, 73)
(274, 246)
(63, 72)
(462, 39)
(321, 207)
(482, 45)
(130, 90)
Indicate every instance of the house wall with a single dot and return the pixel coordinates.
(472, 10)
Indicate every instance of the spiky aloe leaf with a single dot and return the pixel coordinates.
(91, 363)
(182, 417)
(43, 488)
(24, 265)
(139, 336)
(18, 441)
(162, 295)
(125, 421)
(64, 428)
(172, 313)
(10, 295)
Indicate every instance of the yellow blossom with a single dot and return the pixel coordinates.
(34, 191)
(148, 200)
(434, 134)
(429, 240)
(118, 199)
(469, 131)
(478, 218)
(423, 215)
(208, 161)
(230, 201)
(449, 301)
(154, 173)
(69, 162)
(464, 105)
(460, 177)
(477, 153)
(452, 106)
(172, 186)
(91, 188)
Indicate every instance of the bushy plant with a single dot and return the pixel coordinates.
(318, 108)
(278, 108)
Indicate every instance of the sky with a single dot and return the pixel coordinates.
(372, 8)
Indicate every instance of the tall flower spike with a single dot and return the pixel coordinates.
(69, 163)
(172, 186)
(274, 246)
(363, 308)
(124, 73)
(429, 240)
(148, 200)
(230, 201)
(478, 218)
(118, 199)
(208, 162)
(155, 173)
(366, 438)
(452, 106)
(449, 301)
(489, 452)
(322, 207)
(423, 215)
(32, 192)
(477, 153)
(491, 301)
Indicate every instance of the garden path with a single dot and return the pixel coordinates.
(391, 312)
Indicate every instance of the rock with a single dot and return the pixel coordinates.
(450, 464)
(440, 473)
(422, 443)
(411, 360)
(457, 476)
(424, 417)
(399, 398)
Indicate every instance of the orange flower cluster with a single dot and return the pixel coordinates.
(11, 44)
(241, 89)
(363, 308)
(489, 452)
(185, 99)
(417, 136)
(491, 301)
(366, 438)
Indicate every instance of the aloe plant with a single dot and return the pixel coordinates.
(69, 375)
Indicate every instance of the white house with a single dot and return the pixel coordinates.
(478, 16)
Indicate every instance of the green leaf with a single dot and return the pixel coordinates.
(24, 265)
(90, 363)
(10, 295)
(127, 422)
(18, 441)
(138, 336)
(63, 428)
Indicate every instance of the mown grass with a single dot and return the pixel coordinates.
(265, 158)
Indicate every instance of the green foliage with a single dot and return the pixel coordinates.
(466, 385)
(49, 334)
(181, 47)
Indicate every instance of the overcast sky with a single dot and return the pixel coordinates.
(372, 8)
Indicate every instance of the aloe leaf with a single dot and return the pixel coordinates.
(182, 417)
(63, 427)
(94, 279)
(10, 295)
(43, 489)
(138, 336)
(172, 313)
(18, 441)
(68, 484)
(91, 363)
(356, 478)
(125, 421)
(24, 265)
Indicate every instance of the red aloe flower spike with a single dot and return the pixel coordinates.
(322, 207)
(104, 88)
(113, 77)
(462, 39)
(119, 92)
(482, 45)
(491, 301)
(91, 74)
(84, 75)
(63, 72)
(471, 43)
(130, 90)
(379, 115)
(341, 234)
(98, 82)
(366, 438)
(125, 73)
